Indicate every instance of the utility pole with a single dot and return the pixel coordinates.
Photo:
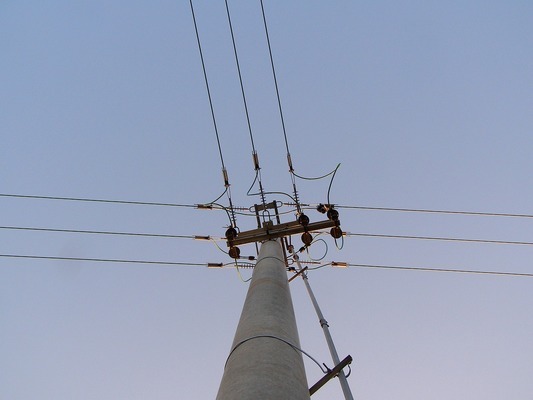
(265, 361)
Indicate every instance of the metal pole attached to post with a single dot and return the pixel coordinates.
(325, 327)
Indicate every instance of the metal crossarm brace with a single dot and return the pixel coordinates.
(270, 231)
(331, 374)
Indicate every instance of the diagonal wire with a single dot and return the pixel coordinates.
(225, 174)
(254, 152)
(289, 160)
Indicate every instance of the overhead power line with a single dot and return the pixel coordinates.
(207, 237)
(421, 210)
(107, 260)
(208, 206)
(245, 103)
(289, 158)
(232, 264)
(224, 170)
(155, 235)
(422, 269)
(438, 238)
(142, 203)
(216, 207)
(461, 271)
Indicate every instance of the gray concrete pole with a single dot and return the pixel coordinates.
(263, 363)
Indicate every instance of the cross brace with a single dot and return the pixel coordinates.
(270, 231)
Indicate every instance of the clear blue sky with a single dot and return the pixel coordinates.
(426, 104)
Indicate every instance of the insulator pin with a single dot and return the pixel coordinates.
(234, 252)
(333, 214)
(303, 220)
(307, 238)
(336, 232)
(231, 233)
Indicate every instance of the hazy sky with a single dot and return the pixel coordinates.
(426, 104)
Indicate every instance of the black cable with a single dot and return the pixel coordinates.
(254, 152)
(226, 181)
(439, 238)
(207, 85)
(275, 79)
(331, 181)
(289, 160)
(415, 210)
(156, 235)
(192, 264)
(143, 203)
(240, 77)
(462, 271)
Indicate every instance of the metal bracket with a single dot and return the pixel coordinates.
(270, 231)
(331, 374)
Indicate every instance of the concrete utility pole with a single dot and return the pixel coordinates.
(264, 362)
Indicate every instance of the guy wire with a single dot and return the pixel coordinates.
(225, 174)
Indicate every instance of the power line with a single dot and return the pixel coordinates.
(254, 152)
(419, 210)
(209, 206)
(462, 271)
(311, 206)
(438, 238)
(174, 263)
(220, 265)
(143, 203)
(423, 269)
(207, 237)
(289, 159)
(156, 235)
(224, 170)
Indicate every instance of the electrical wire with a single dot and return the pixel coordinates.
(107, 260)
(317, 177)
(331, 181)
(423, 269)
(204, 206)
(236, 209)
(142, 203)
(438, 238)
(418, 210)
(224, 170)
(195, 264)
(254, 152)
(155, 235)
(289, 159)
